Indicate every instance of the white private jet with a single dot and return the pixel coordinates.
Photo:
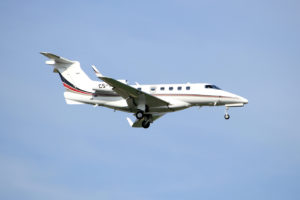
(147, 102)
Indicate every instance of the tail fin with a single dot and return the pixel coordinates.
(71, 74)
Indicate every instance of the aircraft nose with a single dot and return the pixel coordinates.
(243, 100)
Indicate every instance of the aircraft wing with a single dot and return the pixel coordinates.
(133, 96)
(138, 123)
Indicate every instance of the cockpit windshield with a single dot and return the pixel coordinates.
(212, 87)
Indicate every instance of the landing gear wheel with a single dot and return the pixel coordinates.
(145, 124)
(139, 114)
(226, 116)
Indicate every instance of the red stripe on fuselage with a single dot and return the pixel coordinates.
(75, 90)
(195, 95)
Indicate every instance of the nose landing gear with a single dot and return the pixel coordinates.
(226, 116)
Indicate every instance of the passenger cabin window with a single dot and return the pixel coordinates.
(188, 88)
(179, 88)
(162, 88)
(170, 88)
(153, 89)
(140, 89)
(212, 87)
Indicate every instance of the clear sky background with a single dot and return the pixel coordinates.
(50, 150)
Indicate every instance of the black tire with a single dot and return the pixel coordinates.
(145, 124)
(139, 114)
(226, 116)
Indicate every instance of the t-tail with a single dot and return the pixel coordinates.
(73, 77)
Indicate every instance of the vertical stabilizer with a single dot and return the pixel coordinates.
(71, 74)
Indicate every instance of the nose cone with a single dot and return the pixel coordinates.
(243, 100)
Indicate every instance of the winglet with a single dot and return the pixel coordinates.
(129, 121)
(98, 74)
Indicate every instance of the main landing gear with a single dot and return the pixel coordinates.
(146, 124)
(139, 114)
(147, 119)
(226, 116)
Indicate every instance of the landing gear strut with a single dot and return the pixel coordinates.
(226, 116)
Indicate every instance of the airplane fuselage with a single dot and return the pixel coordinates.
(180, 96)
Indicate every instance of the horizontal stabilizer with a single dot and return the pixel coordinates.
(57, 59)
(72, 102)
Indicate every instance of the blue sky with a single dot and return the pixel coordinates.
(50, 150)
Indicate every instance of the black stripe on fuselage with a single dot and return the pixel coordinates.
(64, 80)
